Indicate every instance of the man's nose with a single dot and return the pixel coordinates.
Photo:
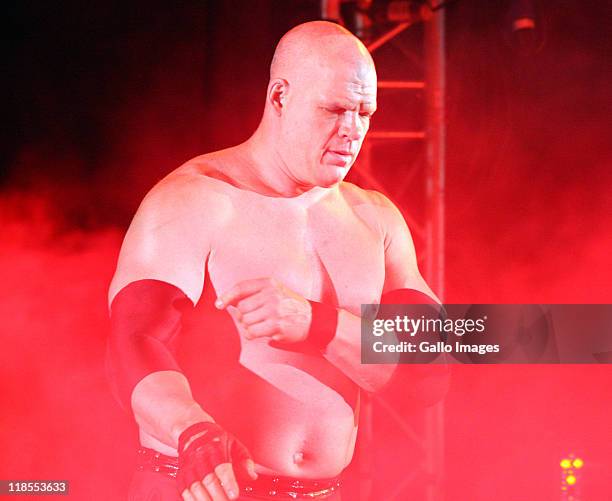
(351, 126)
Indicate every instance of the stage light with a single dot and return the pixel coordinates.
(570, 479)
(523, 25)
(578, 463)
(566, 464)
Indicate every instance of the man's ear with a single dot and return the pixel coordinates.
(277, 94)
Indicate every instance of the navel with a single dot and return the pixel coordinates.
(298, 457)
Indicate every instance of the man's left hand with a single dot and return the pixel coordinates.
(266, 308)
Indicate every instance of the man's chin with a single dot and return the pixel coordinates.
(334, 174)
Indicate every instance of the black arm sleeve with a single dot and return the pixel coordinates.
(406, 296)
(415, 297)
(146, 317)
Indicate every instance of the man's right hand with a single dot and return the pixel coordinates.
(210, 458)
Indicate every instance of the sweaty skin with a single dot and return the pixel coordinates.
(275, 225)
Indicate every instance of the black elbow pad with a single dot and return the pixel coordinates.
(432, 310)
(406, 296)
(146, 317)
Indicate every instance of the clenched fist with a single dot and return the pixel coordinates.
(266, 308)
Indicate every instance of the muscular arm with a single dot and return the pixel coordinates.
(160, 273)
(401, 272)
(161, 245)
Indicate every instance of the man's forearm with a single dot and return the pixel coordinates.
(344, 351)
(163, 406)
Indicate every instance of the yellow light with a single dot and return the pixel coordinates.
(566, 463)
(578, 463)
(570, 479)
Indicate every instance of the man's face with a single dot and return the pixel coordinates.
(327, 115)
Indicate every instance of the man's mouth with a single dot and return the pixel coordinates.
(340, 157)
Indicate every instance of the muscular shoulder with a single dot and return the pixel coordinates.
(187, 196)
(386, 215)
(170, 236)
(401, 269)
(355, 195)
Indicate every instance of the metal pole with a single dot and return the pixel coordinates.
(435, 78)
(387, 36)
(436, 148)
(330, 10)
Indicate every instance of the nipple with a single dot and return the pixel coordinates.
(298, 457)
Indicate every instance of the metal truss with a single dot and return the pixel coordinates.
(428, 231)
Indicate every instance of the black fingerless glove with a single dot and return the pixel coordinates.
(211, 447)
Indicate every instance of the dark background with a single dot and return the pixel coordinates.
(100, 100)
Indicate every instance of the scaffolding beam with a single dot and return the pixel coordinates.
(435, 91)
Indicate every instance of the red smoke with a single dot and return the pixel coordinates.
(528, 220)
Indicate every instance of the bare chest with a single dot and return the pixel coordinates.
(329, 252)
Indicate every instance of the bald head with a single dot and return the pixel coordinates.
(319, 101)
(315, 44)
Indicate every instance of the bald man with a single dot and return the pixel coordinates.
(291, 252)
